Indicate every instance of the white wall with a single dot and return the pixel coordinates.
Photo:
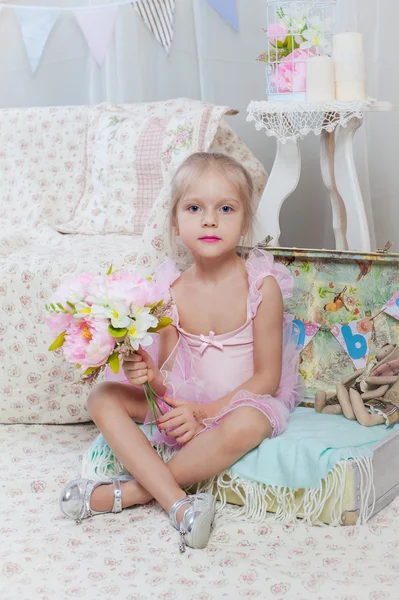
(209, 60)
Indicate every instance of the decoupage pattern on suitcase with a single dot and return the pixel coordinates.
(332, 288)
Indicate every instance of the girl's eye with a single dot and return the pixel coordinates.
(194, 209)
(226, 209)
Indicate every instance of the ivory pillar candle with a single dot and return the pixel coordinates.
(350, 71)
(320, 79)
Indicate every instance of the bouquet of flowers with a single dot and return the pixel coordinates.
(99, 318)
(295, 35)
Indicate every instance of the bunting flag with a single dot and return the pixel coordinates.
(158, 16)
(227, 9)
(36, 26)
(392, 306)
(307, 331)
(355, 338)
(97, 26)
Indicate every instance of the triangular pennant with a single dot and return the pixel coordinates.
(227, 9)
(36, 26)
(392, 306)
(307, 331)
(355, 338)
(158, 16)
(97, 25)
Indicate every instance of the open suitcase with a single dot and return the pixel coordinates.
(330, 287)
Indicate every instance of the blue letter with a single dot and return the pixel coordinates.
(302, 332)
(355, 342)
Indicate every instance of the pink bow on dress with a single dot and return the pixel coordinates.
(209, 341)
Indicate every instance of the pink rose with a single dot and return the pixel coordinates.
(72, 289)
(88, 343)
(290, 73)
(58, 322)
(277, 32)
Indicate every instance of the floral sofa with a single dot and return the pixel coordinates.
(81, 188)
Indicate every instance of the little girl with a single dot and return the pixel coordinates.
(227, 368)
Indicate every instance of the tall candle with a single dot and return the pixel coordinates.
(320, 79)
(350, 72)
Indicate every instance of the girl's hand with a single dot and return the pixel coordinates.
(184, 421)
(139, 368)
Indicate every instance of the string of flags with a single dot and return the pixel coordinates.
(97, 23)
(354, 336)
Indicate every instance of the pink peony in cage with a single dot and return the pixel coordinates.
(296, 30)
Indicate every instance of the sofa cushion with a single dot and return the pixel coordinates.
(37, 386)
(42, 155)
(131, 155)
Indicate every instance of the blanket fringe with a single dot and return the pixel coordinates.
(258, 499)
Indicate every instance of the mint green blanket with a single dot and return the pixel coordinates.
(301, 457)
(310, 447)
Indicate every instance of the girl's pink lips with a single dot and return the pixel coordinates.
(210, 238)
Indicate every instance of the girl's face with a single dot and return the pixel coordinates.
(210, 216)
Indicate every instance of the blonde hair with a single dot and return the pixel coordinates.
(200, 162)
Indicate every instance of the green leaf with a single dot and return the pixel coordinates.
(71, 305)
(60, 306)
(155, 305)
(53, 307)
(90, 370)
(117, 333)
(58, 342)
(114, 362)
(162, 323)
(290, 42)
(109, 271)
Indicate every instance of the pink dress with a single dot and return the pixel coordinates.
(206, 367)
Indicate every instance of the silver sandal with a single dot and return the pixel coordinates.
(75, 497)
(197, 522)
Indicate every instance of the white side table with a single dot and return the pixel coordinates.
(337, 123)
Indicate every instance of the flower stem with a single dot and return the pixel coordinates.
(156, 398)
(152, 400)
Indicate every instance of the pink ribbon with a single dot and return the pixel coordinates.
(209, 341)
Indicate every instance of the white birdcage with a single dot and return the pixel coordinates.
(296, 30)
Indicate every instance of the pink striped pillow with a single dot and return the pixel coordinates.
(131, 155)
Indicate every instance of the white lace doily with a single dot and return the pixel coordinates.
(293, 120)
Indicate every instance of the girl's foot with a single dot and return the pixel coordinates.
(75, 498)
(196, 523)
(132, 493)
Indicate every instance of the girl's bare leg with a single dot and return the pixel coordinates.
(205, 456)
(113, 406)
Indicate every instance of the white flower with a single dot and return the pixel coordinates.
(116, 311)
(320, 26)
(141, 322)
(315, 35)
(294, 18)
(83, 310)
(313, 38)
